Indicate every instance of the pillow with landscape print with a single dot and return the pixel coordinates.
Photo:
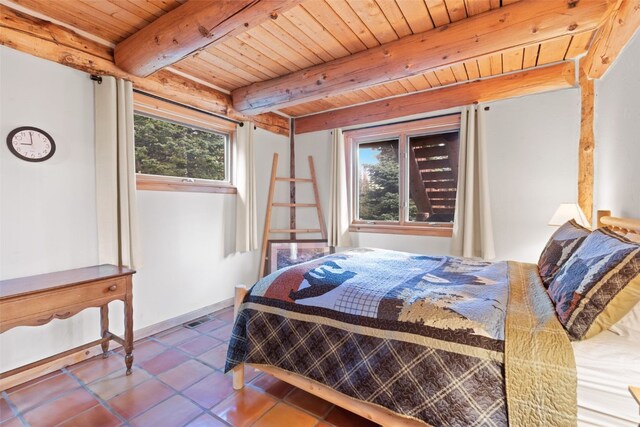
(598, 285)
(562, 244)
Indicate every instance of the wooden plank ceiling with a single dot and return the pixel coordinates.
(314, 32)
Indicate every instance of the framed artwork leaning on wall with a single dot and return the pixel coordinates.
(285, 253)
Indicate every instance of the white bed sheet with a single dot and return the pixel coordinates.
(606, 365)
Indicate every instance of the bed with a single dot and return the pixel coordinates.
(606, 365)
(406, 339)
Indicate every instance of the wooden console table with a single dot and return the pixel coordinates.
(36, 300)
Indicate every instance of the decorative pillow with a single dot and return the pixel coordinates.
(562, 244)
(598, 285)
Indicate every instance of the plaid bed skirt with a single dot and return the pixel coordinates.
(434, 386)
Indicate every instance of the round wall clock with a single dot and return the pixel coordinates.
(31, 144)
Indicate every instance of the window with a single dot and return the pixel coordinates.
(173, 149)
(404, 176)
(180, 149)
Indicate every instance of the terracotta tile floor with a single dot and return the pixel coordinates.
(177, 381)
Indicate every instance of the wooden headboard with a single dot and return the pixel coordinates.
(625, 225)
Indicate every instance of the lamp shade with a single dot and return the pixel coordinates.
(568, 211)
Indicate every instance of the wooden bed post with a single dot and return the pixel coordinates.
(602, 213)
(238, 371)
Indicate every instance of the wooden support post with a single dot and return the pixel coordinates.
(238, 371)
(586, 148)
(292, 174)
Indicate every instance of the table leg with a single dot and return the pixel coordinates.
(104, 329)
(128, 328)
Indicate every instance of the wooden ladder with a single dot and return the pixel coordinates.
(270, 205)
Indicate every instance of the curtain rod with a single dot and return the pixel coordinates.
(188, 107)
(400, 122)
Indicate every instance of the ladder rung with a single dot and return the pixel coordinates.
(293, 230)
(296, 205)
(295, 179)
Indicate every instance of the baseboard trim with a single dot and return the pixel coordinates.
(38, 371)
(179, 320)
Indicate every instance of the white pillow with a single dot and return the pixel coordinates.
(629, 325)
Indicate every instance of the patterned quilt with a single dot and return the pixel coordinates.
(423, 336)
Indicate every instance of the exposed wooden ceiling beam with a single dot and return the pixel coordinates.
(55, 43)
(519, 24)
(535, 80)
(192, 26)
(612, 37)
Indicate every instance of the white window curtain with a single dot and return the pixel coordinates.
(472, 228)
(118, 241)
(245, 181)
(338, 232)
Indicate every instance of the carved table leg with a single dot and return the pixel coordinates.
(128, 328)
(104, 329)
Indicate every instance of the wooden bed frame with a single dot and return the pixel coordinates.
(625, 225)
(367, 410)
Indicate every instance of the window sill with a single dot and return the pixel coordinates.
(146, 183)
(416, 230)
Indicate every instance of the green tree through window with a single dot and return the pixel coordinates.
(379, 181)
(171, 149)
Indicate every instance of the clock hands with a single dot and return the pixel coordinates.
(31, 138)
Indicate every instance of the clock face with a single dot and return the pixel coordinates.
(31, 144)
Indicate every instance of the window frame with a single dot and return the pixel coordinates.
(155, 108)
(402, 132)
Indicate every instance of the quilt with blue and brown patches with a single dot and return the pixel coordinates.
(423, 336)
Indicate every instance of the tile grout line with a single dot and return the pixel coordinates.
(154, 376)
(215, 369)
(178, 392)
(83, 385)
(22, 413)
(16, 413)
(14, 409)
(102, 402)
(318, 418)
(151, 376)
(190, 357)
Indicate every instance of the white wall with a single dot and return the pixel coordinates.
(188, 239)
(48, 215)
(532, 155)
(617, 135)
(533, 167)
(47, 210)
